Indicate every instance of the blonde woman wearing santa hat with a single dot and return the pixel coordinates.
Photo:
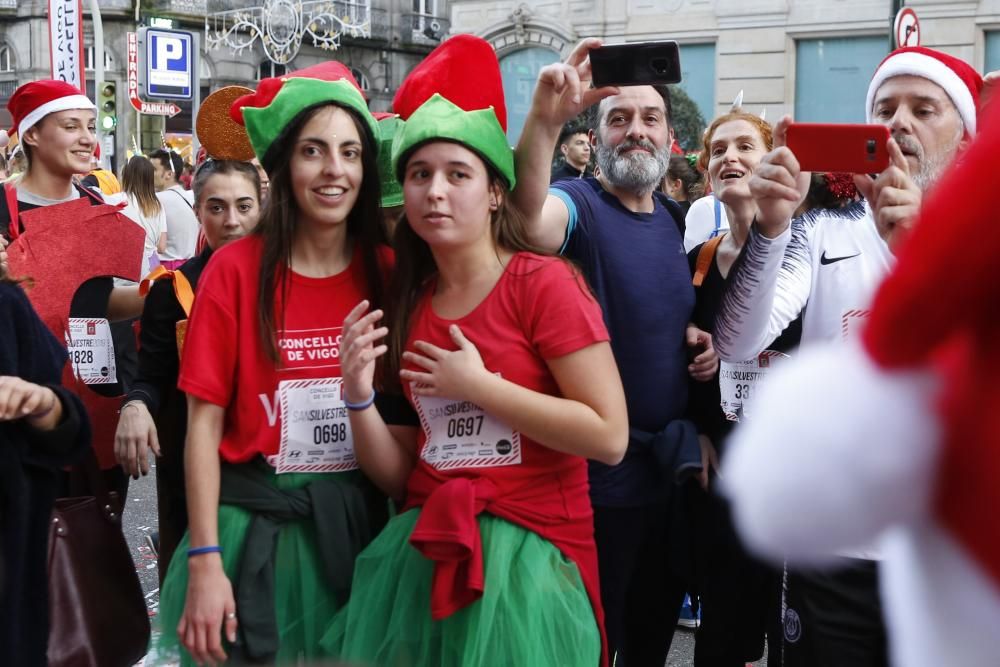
(504, 356)
(57, 129)
(55, 123)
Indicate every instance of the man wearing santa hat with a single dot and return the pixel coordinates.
(56, 123)
(826, 266)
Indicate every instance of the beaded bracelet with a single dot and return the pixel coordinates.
(363, 405)
(197, 551)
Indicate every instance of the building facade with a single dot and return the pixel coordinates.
(809, 58)
(397, 35)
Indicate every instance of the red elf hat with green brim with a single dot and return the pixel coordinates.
(276, 104)
(455, 94)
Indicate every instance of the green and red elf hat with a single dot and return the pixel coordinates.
(278, 102)
(455, 94)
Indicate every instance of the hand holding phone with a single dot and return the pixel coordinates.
(853, 149)
(636, 64)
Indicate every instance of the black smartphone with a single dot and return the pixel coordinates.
(636, 64)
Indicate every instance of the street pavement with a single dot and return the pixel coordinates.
(139, 519)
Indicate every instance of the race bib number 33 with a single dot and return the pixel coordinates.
(739, 383)
(315, 428)
(91, 350)
(460, 434)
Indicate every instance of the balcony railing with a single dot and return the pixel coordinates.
(425, 29)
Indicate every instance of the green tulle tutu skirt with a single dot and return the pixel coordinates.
(304, 604)
(534, 611)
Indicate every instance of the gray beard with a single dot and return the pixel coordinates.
(636, 172)
(930, 169)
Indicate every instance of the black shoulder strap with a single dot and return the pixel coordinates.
(182, 197)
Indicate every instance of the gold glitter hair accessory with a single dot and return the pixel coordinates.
(222, 137)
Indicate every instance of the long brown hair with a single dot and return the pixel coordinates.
(280, 219)
(137, 182)
(415, 266)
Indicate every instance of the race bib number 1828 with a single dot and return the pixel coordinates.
(91, 350)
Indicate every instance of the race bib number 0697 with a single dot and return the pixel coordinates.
(460, 434)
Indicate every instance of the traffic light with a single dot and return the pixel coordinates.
(107, 106)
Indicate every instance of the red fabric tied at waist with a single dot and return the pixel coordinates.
(447, 532)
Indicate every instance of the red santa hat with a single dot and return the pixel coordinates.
(464, 70)
(958, 79)
(36, 100)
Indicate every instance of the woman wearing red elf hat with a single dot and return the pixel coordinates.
(505, 358)
(276, 505)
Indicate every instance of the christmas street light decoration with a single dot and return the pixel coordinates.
(281, 25)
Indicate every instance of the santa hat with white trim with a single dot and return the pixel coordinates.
(959, 80)
(36, 100)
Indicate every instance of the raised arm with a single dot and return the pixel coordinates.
(771, 282)
(562, 93)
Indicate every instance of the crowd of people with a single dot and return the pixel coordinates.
(415, 398)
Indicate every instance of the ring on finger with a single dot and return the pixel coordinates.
(231, 616)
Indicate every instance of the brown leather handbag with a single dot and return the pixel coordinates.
(97, 612)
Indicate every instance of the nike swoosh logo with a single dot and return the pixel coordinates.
(824, 260)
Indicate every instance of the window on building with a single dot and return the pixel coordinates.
(361, 78)
(698, 77)
(992, 51)
(6, 59)
(519, 71)
(268, 69)
(109, 62)
(832, 76)
(427, 7)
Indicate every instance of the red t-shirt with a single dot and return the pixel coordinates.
(224, 361)
(469, 462)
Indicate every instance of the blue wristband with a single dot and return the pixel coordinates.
(364, 405)
(197, 551)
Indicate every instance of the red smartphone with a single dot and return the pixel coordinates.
(636, 64)
(852, 149)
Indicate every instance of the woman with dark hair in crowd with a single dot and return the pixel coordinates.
(154, 414)
(277, 507)
(144, 207)
(682, 182)
(43, 428)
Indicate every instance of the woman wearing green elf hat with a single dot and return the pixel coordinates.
(278, 508)
(504, 356)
